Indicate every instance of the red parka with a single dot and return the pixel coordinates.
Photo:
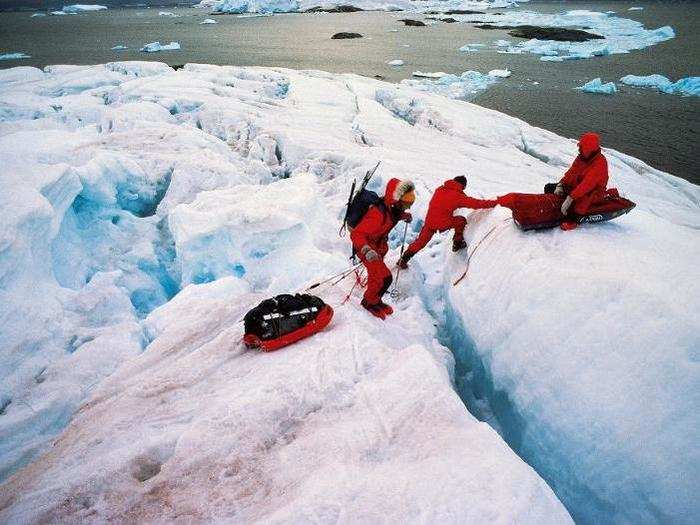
(585, 181)
(373, 230)
(446, 200)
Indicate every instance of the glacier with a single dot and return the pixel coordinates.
(146, 209)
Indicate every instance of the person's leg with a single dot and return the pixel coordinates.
(581, 206)
(378, 281)
(423, 238)
(458, 224)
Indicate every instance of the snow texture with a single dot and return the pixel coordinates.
(145, 210)
(461, 87)
(597, 86)
(685, 86)
(83, 8)
(155, 47)
(14, 56)
(621, 35)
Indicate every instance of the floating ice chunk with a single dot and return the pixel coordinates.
(256, 6)
(119, 47)
(80, 8)
(61, 13)
(14, 56)
(37, 14)
(460, 87)
(502, 43)
(659, 82)
(500, 73)
(597, 86)
(685, 86)
(155, 47)
(395, 63)
(168, 13)
(421, 74)
(636, 9)
(208, 21)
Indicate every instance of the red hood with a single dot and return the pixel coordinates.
(389, 199)
(588, 144)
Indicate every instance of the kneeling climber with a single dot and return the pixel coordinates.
(440, 217)
(585, 181)
(370, 242)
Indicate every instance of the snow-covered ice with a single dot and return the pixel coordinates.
(14, 56)
(461, 87)
(621, 35)
(82, 8)
(684, 86)
(146, 209)
(396, 62)
(155, 47)
(500, 73)
(598, 86)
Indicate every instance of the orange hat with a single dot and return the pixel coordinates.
(408, 198)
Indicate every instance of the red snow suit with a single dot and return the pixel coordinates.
(585, 181)
(373, 231)
(445, 201)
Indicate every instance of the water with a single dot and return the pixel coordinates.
(660, 129)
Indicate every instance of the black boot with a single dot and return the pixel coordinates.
(458, 244)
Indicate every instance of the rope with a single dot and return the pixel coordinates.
(476, 247)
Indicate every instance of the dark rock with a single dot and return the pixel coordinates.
(446, 20)
(177, 66)
(413, 23)
(545, 33)
(343, 36)
(379, 77)
(464, 12)
(334, 9)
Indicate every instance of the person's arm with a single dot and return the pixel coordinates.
(570, 176)
(592, 178)
(465, 201)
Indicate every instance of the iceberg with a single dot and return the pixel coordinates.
(14, 56)
(597, 86)
(119, 47)
(208, 21)
(155, 47)
(500, 73)
(686, 86)
(168, 13)
(395, 63)
(35, 15)
(82, 8)
(255, 6)
(145, 210)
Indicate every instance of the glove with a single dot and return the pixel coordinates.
(407, 217)
(559, 190)
(566, 205)
(369, 254)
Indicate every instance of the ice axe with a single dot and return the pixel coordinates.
(395, 291)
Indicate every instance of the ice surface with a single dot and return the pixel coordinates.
(81, 8)
(685, 86)
(500, 73)
(146, 209)
(621, 35)
(597, 86)
(155, 47)
(461, 87)
(14, 56)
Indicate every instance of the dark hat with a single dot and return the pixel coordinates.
(462, 180)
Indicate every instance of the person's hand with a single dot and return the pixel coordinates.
(559, 190)
(566, 205)
(369, 254)
(407, 217)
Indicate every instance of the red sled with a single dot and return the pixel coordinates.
(542, 211)
(284, 320)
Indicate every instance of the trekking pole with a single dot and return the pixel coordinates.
(342, 275)
(394, 292)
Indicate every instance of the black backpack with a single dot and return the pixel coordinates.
(281, 315)
(360, 205)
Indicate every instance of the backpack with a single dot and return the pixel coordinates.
(359, 206)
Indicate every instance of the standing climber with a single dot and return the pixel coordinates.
(585, 181)
(370, 241)
(440, 218)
